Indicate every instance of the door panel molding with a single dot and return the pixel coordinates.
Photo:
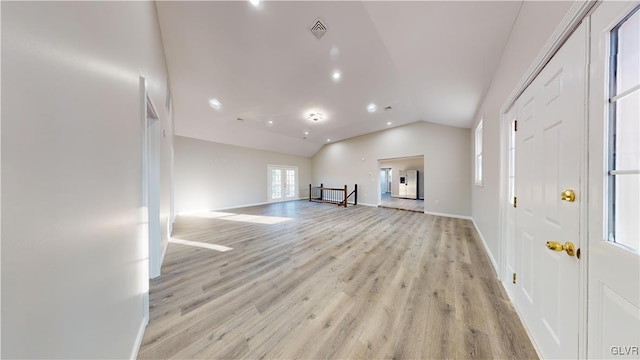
(550, 113)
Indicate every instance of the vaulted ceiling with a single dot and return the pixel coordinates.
(429, 61)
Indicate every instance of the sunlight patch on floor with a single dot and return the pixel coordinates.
(199, 244)
(255, 219)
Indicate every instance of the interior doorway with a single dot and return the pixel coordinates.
(151, 182)
(386, 176)
(402, 183)
(149, 190)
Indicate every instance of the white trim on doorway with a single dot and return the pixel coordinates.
(569, 23)
(143, 193)
(151, 185)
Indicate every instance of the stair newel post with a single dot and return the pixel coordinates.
(345, 195)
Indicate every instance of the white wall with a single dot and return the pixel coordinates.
(535, 24)
(211, 175)
(401, 165)
(73, 249)
(445, 149)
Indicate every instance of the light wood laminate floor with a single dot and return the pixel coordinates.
(317, 281)
(387, 201)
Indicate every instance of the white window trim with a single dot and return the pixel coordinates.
(611, 169)
(478, 153)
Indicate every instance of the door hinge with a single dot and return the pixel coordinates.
(514, 278)
(515, 125)
(515, 201)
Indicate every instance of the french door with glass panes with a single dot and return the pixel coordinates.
(283, 183)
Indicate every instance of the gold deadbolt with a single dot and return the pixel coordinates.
(556, 246)
(568, 195)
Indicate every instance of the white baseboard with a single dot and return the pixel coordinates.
(241, 206)
(486, 249)
(139, 337)
(524, 323)
(448, 215)
(365, 204)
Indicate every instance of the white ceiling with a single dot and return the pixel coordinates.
(431, 61)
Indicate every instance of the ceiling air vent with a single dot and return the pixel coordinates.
(318, 29)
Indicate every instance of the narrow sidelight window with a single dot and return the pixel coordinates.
(623, 163)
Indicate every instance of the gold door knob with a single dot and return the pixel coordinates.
(556, 246)
(568, 195)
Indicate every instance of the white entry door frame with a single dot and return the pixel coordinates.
(551, 119)
(282, 183)
(151, 180)
(602, 263)
(150, 189)
(614, 268)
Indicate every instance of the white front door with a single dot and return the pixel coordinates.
(283, 183)
(550, 115)
(614, 182)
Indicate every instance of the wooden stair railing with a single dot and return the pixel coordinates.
(335, 196)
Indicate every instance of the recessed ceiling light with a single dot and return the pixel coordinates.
(255, 2)
(306, 133)
(336, 75)
(315, 116)
(389, 123)
(270, 122)
(214, 103)
(328, 140)
(372, 107)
